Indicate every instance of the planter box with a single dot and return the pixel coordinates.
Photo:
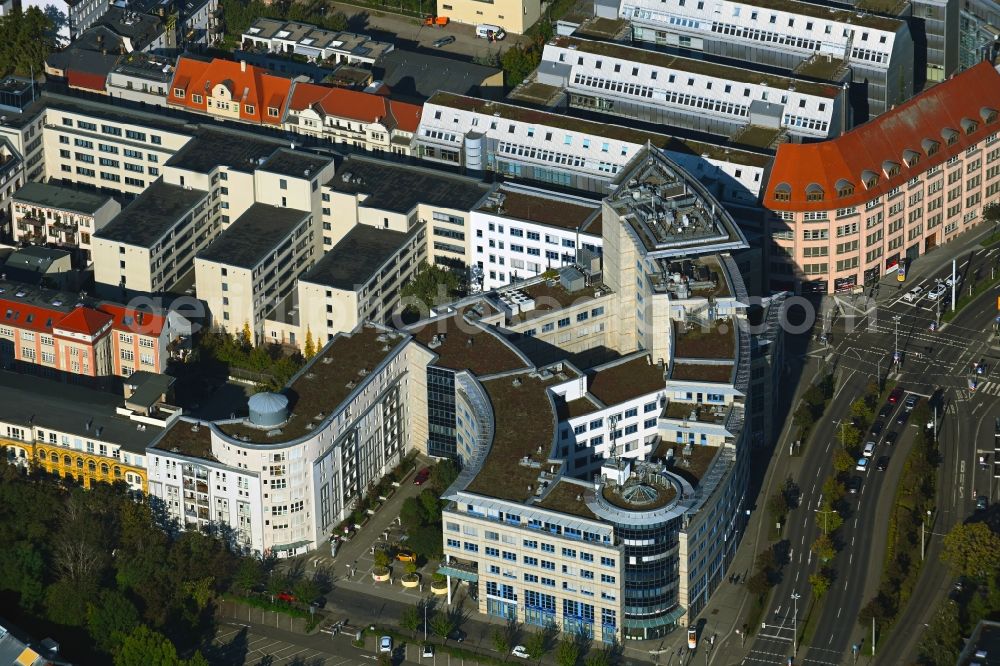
(381, 578)
(395, 484)
(439, 588)
(410, 583)
(370, 512)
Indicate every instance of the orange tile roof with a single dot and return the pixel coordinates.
(249, 85)
(958, 107)
(356, 105)
(134, 321)
(84, 320)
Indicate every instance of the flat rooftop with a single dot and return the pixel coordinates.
(254, 235)
(544, 208)
(822, 66)
(619, 381)
(295, 163)
(520, 401)
(152, 214)
(143, 66)
(829, 13)
(721, 373)
(399, 188)
(461, 345)
(357, 257)
(550, 296)
(567, 497)
(691, 467)
(189, 439)
(61, 197)
(695, 66)
(320, 387)
(52, 405)
(214, 148)
(719, 152)
(716, 341)
(570, 409)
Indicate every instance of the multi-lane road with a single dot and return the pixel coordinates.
(865, 332)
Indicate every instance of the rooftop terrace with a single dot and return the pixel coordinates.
(461, 345)
(320, 387)
(567, 497)
(616, 383)
(544, 208)
(682, 411)
(717, 340)
(702, 372)
(692, 467)
(550, 295)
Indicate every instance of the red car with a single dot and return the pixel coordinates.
(896, 394)
(422, 476)
(287, 597)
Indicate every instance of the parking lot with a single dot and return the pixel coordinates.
(236, 645)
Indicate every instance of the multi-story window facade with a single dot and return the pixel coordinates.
(888, 191)
(42, 213)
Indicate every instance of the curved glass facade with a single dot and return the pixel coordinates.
(651, 576)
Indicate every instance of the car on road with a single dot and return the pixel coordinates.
(885, 412)
(882, 464)
(427, 651)
(902, 417)
(862, 465)
(422, 476)
(953, 281)
(937, 292)
(896, 394)
(869, 450)
(877, 428)
(913, 294)
(891, 437)
(911, 402)
(385, 644)
(854, 485)
(521, 652)
(444, 41)
(982, 503)
(692, 639)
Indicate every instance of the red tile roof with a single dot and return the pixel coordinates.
(356, 105)
(964, 108)
(133, 321)
(86, 80)
(251, 86)
(84, 320)
(28, 317)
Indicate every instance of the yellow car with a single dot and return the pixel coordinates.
(406, 556)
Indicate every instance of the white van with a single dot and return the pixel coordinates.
(491, 32)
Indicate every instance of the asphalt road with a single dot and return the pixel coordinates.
(864, 334)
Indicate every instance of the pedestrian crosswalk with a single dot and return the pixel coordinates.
(989, 388)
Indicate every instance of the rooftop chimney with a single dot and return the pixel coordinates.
(243, 65)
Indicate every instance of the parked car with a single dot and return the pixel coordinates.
(891, 437)
(692, 639)
(913, 294)
(287, 597)
(937, 292)
(982, 503)
(385, 644)
(885, 412)
(911, 402)
(877, 428)
(428, 650)
(862, 465)
(854, 485)
(895, 396)
(957, 280)
(902, 417)
(869, 450)
(406, 556)
(422, 476)
(882, 464)
(521, 652)
(444, 41)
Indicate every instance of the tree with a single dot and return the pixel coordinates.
(878, 608)
(442, 624)
(410, 620)
(310, 347)
(598, 658)
(111, 620)
(861, 411)
(823, 548)
(535, 644)
(410, 568)
(842, 461)
(942, 640)
(430, 503)
(759, 583)
(443, 475)
(567, 652)
(971, 550)
(425, 541)
(833, 490)
(500, 642)
(145, 647)
(246, 336)
(828, 519)
(766, 560)
(66, 602)
(337, 21)
(518, 62)
(411, 513)
(991, 213)
(803, 417)
(431, 286)
(820, 584)
(382, 558)
(849, 436)
(777, 506)
(306, 590)
(248, 575)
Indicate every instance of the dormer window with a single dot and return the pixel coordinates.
(869, 178)
(814, 192)
(845, 188)
(197, 99)
(950, 136)
(988, 115)
(930, 146)
(890, 169)
(179, 92)
(783, 192)
(911, 157)
(968, 125)
(272, 111)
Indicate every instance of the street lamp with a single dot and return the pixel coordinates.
(923, 529)
(795, 622)
(895, 353)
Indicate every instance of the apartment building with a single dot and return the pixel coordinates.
(555, 148)
(81, 434)
(141, 78)
(317, 44)
(358, 281)
(59, 334)
(522, 232)
(11, 177)
(395, 196)
(848, 210)
(229, 90)
(514, 16)
(253, 264)
(697, 94)
(879, 50)
(42, 213)
(364, 120)
(284, 477)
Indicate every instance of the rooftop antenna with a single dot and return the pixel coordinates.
(613, 451)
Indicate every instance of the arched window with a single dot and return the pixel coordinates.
(783, 192)
(969, 125)
(911, 157)
(67, 461)
(845, 188)
(104, 469)
(949, 135)
(91, 466)
(869, 178)
(930, 146)
(42, 455)
(988, 115)
(79, 463)
(814, 192)
(118, 472)
(890, 168)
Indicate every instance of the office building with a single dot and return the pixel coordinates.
(848, 210)
(512, 15)
(818, 40)
(328, 47)
(42, 213)
(978, 40)
(141, 78)
(416, 76)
